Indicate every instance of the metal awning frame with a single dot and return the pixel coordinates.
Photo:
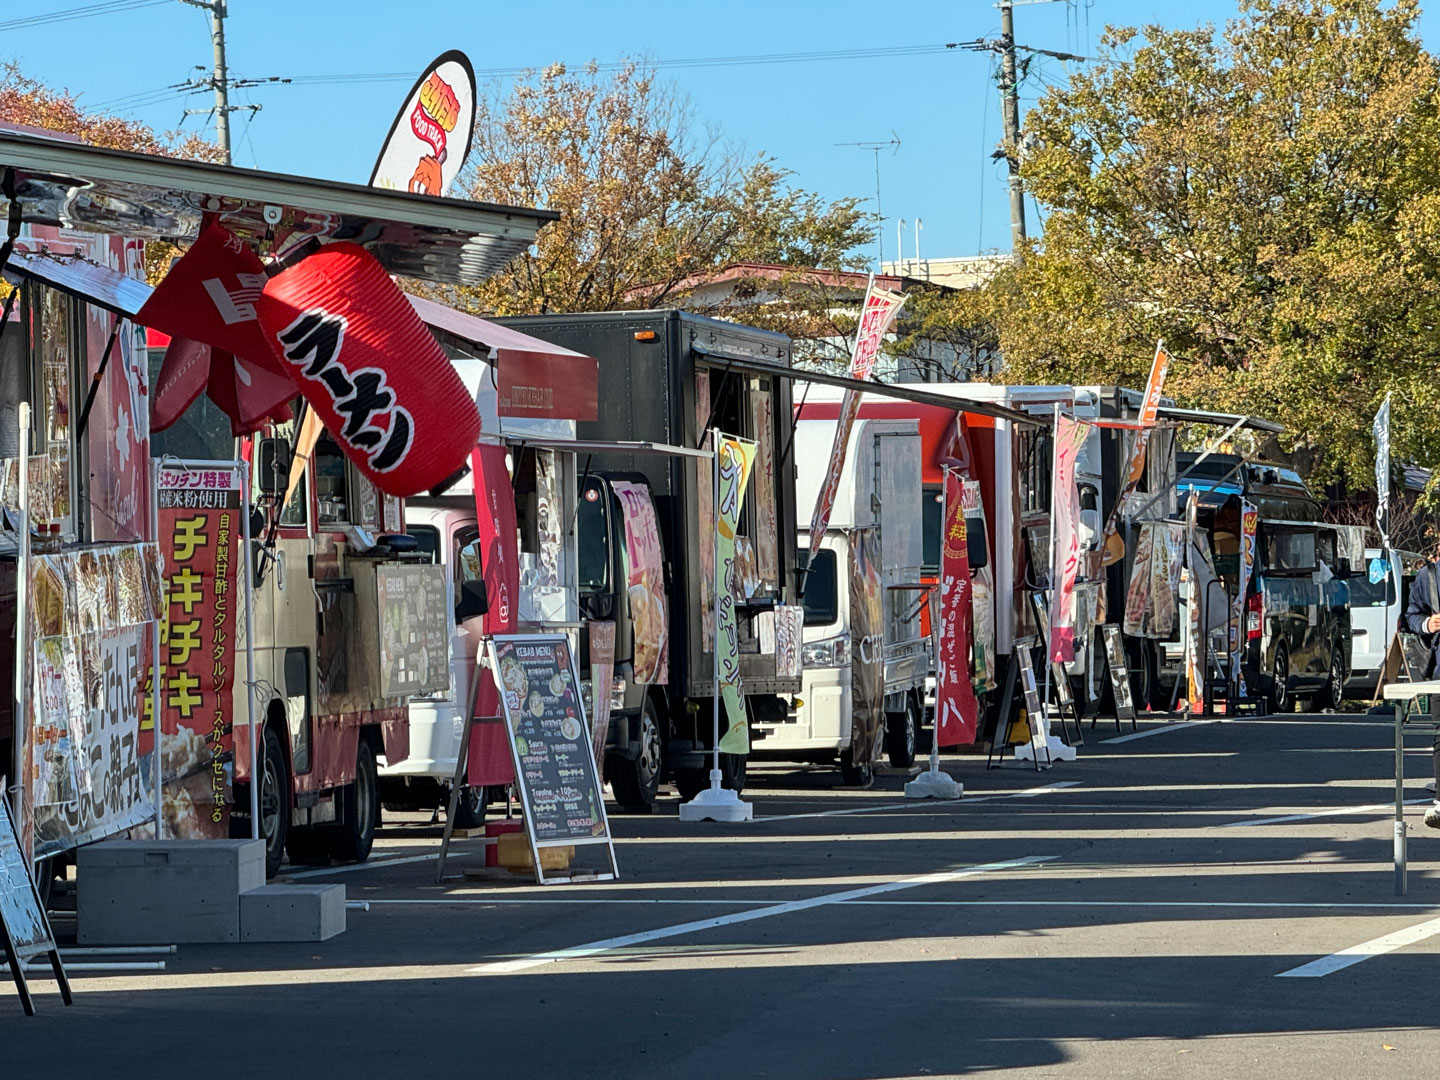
(902, 391)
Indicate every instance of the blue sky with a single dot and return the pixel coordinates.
(942, 106)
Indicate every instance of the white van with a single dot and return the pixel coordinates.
(1376, 607)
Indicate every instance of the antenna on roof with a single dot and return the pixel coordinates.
(875, 148)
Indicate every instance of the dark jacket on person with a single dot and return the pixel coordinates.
(1424, 602)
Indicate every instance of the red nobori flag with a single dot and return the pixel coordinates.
(956, 710)
(490, 761)
(200, 531)
(208, 304)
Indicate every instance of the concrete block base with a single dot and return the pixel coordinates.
(292, 913)
(164, 892)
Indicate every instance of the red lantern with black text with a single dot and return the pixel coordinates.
(370, 369)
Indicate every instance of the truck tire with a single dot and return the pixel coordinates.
(470, 809)
(636, 783)
(690, 782)
(352, 839)
(861, 776)
(902, 736)
(1332, 694)
(274, 802)
(1279, 699)
(732, 771)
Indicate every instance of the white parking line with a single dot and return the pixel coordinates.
(374, 864)
(1334, 811)
(916, 804)
(1327, 965)
(595, 948)
(732, 901)
(1175, 725)
(1059, 785)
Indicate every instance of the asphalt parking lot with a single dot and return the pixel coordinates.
(1171, 903)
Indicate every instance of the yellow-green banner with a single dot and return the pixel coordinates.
(735, 458)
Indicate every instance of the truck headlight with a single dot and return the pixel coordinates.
(830, 652)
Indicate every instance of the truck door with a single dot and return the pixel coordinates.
(900, 512)
(285, 619)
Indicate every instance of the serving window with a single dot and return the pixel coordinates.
(41, 361)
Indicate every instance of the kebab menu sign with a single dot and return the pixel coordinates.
(554, 762)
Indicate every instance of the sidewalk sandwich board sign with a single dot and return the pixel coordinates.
(550, 741)
(1119, 674)
(24, 930)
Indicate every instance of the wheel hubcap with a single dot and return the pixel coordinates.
(649, 760)
(365, 798)
(912, 726)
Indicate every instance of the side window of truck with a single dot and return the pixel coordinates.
(822, 588)
(592, 539)
(468, 566)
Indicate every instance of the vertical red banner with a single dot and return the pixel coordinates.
(489, 760)
(956, 710)
(200, 532)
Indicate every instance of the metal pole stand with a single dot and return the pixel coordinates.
(716, 803)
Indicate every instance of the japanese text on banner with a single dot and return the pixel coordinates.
(200, 531)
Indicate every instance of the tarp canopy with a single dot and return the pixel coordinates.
(75, 186)
(534, 379)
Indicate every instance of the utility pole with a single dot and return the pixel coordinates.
(1010, 105)
(219, 81)
(1010, 110)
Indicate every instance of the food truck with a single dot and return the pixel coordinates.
(67, 349)
(538, 433)
(878, 503)
(667, 379)
(347, 622)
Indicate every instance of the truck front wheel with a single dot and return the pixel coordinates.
(636, 782)
(360, 802)
(274, 802)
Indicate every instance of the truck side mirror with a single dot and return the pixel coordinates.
(473, 601)
(273, 471)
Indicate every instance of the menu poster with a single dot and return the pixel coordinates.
(550, 740)
(414, 630)
(1034, 711)
(1119, 674)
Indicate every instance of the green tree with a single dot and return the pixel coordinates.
(1263, 198)
(650, 207)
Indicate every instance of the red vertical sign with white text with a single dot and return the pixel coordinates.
(956, 710)
(489, 760)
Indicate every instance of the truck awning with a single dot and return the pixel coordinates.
(534, 379)
(98, 285)
(904, 391)
(75, 186)
(1220, 419)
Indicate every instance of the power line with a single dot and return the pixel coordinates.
(86, 12)
(682, 62)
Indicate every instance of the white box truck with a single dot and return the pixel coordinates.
(877, 511)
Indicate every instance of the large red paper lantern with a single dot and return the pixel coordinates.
(370, 368)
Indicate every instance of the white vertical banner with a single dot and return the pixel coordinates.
(881, 307)
(1382, 471)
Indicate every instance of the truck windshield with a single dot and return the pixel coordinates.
(592, 538)
(822, 602)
